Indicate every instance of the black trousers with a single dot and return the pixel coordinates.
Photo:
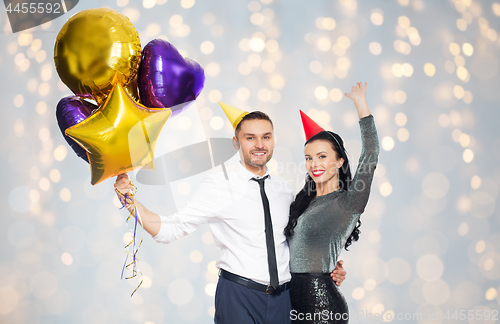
(316, 299)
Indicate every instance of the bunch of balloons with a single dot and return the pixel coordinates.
(98, 56)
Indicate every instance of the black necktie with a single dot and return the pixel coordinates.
(271, 252)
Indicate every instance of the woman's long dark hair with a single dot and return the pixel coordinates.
(308, 193)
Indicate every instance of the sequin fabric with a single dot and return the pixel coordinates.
(316, 299)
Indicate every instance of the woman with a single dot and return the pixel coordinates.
(324, 217)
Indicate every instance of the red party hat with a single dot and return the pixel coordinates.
(310, 126)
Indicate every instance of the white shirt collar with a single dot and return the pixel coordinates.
(247, 175)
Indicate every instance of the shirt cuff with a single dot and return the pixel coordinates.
(162, 236)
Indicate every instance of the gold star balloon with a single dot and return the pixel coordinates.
(96, 49)
(120, 136)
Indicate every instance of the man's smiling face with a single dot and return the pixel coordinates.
(255, 143)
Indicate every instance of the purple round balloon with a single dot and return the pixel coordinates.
(71, 111)
(167, 79)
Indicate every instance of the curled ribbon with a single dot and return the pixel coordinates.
(131, 250)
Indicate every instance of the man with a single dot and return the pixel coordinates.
(246, 210)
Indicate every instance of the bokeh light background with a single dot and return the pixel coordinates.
(430, 237)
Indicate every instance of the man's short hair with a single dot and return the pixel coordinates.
(253, 115)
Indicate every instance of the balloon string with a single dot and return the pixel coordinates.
(131, 250)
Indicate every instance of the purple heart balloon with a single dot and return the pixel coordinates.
(71, 111)
(167, 79)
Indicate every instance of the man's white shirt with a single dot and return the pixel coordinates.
(234, 212)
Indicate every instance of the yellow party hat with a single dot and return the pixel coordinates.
(234, 115)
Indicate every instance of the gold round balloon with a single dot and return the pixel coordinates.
(96, 49)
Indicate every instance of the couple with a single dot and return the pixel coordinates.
(254, 221)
